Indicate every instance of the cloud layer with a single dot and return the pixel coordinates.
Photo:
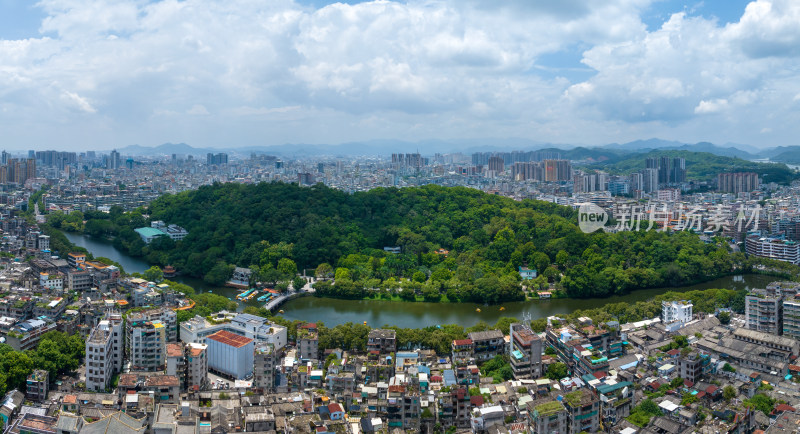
(106, 73)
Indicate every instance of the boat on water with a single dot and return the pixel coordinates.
(264, 297)
(244, 295)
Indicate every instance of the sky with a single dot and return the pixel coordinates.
(98, 74)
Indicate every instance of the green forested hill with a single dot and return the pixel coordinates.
(276, 228)
(703, 166)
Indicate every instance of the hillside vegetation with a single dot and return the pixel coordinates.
(277, 228)
(703, 166)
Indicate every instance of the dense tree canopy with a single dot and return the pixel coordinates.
(57, 353)
(278, 229)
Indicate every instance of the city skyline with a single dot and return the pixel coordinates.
(221, 75)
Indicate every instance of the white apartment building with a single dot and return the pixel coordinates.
(196, 366)
(53, 281)
(146, 340)
(104, 353)
(254, 327)
(775, 248)
(676, 313)
(763, 311)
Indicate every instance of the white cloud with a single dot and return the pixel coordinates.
(198, 110)
(713, 106)
(78, 102)
(210, 71)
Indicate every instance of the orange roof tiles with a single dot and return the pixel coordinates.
(228, 338)
(161, 380)
(174, 350)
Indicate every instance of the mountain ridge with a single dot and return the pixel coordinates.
(385, 147)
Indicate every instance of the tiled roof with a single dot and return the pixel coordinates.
(228, 338)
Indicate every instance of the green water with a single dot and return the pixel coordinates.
(414, 315)
(377, 313)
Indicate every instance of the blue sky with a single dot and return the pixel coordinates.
(106, 73)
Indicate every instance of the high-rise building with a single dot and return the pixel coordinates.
(670, 170)
(104, 353)
(557, 170)
(264, 362)
(791, 318)
(649, 180)
(587, 183)
(636, 181)
(619, 187)
(114, 160)
(216, 159)
(664, 170)
(496, 164)
(147, 333)
(678, 170)
(529, 170)
(196, 366)
(305, 178)
(763, 311)
(525, 352)
(737, 182)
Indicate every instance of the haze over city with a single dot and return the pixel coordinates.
(103, 74)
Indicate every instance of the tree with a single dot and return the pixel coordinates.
(274, 225)
(728, 393)
(323, 271)
(287, 268)
(431, 295)
(498, 368)
(219, 274)
(642, 413)
(649, 407)
(724, 317)
(408, 294)
(681, 341)
(342, 274)
(153, 274)
(539, 325)
(761, 402)
(504, 324)
(557, 371)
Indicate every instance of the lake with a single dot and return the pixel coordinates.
(413, 315)
(104, 248)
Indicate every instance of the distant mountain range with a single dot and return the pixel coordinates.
(610, 152)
